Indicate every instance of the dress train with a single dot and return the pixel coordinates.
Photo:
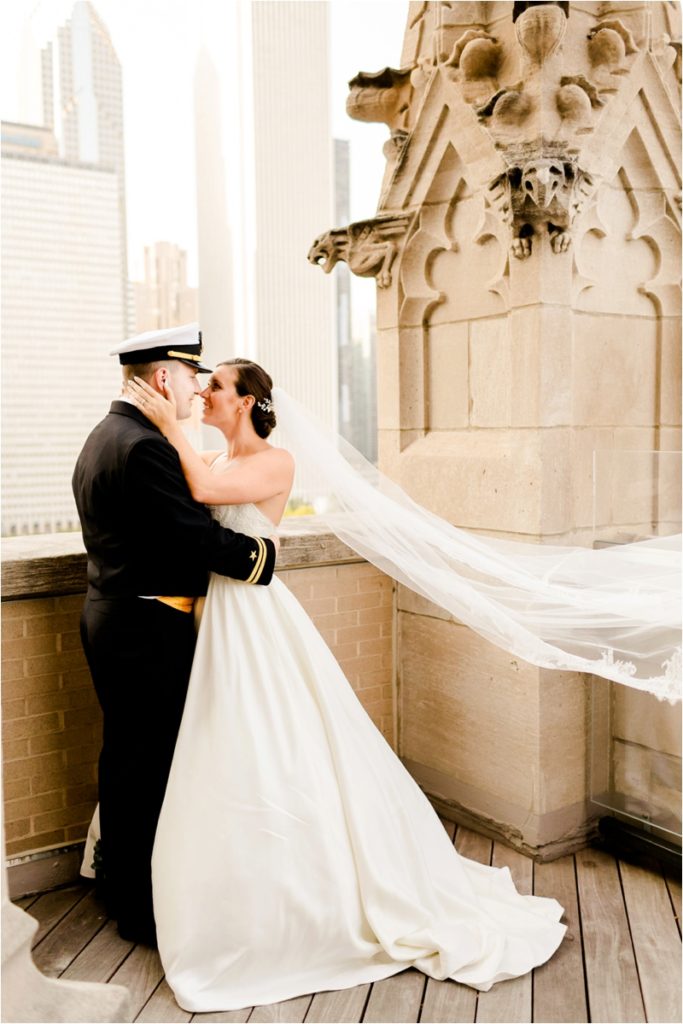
(294, 852)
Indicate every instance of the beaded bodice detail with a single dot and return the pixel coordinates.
(244, 519)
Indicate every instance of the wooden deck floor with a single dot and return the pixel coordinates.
(620, 960)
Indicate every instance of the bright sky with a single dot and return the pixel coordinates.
(156, 42)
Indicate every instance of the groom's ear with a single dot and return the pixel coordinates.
(160, 378)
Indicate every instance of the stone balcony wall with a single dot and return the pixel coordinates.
(51, 718)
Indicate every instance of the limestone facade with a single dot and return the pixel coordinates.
(526, 248)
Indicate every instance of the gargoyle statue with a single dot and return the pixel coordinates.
(368, 247)
(381, 96)
(542, 192)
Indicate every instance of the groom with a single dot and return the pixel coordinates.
(147, 541)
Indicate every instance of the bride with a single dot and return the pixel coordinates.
(294, 853)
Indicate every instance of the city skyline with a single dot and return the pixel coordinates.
(65, 289)
(158, 86)
(82, 101)
(274, 306)
(62, 313)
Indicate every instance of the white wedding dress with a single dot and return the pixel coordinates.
(294, 852)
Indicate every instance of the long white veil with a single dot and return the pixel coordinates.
(614, 612)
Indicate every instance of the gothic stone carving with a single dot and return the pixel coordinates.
(531, 115)
(540, 30)
(541, 193)
(380, 96)
(383, 97)
(547, 186)
(609, 43)
(369, 247)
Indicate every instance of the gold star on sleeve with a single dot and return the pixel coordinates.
(259, 558)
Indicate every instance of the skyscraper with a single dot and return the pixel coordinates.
(164, 298)
(357, 374)
(83, 101)
(62, 312)
(342, 287)
(65, 293)
(276, 163)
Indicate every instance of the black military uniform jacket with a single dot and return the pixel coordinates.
(143, 531)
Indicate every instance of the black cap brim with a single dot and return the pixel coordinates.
(199, 367)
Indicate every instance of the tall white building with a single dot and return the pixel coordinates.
(357, 372)
(263, 116)
(62, 312)
(83, 100)
(164, 298)
(65, 293)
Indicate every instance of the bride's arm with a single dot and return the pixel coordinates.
(266, 474)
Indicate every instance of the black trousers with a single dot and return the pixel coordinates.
(140, 656)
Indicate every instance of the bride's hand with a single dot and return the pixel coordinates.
(160, 409)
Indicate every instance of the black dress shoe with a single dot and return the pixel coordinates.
(143, 935)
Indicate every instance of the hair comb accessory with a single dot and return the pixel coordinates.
(265, 405)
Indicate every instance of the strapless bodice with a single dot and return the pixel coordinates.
(244, 519)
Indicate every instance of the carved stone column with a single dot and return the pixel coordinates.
(528, 313)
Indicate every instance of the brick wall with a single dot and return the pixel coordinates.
(51, 719)
(51, 725)
(352, 606)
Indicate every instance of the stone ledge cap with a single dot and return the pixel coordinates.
(42, 565)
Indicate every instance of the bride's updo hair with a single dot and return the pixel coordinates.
(252, 379)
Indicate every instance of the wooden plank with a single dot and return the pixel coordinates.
(65, 941)
(397, 999)
(101, 957)
(611, 975)
(509, 1001)
(472, 845)
(236, 1016)
(559, 989)
(25, 901)
(161, 1007)
(291, 1010)
(674, 887)
(140, 973)
(50, 908)
(656, 941)
(449, 826)
(342, 1007)
(448, 1001)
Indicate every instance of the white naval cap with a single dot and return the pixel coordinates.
(182, 343)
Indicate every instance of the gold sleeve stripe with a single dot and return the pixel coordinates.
(260, 561)
(184, 355)
(256, 561)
